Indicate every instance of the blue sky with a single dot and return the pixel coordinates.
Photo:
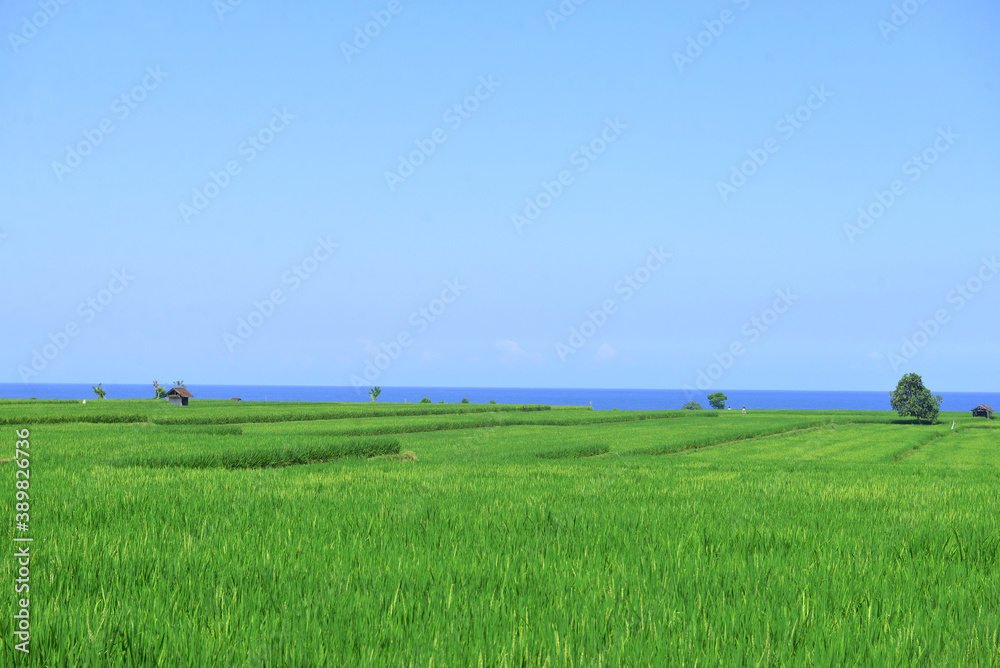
(523, 194)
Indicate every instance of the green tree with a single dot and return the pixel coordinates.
(718, 400)
(692, 406)
(99, 391)
(465, 401)
(160, 391)
(179, 383)
(425, 400)
(912, 399)
(374, 392)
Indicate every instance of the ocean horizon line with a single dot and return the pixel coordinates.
(598, 398)
(487, 387)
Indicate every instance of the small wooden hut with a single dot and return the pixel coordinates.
(179, 396)
(983, 411)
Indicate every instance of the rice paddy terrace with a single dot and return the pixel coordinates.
(278, 534)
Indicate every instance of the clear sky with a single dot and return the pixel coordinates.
(525, 194)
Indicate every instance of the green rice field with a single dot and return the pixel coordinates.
(284, 534)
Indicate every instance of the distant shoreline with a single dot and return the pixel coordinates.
(602, 399)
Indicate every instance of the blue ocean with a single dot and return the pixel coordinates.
(600, 399)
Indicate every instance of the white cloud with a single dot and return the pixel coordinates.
(606, 352)
(513, 352)
(371, 348)
(508, 347)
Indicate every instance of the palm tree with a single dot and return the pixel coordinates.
(99, 391)
(374, 392)
(179, 383)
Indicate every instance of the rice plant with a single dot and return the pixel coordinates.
(777, 538)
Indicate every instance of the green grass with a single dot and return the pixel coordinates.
(20, 412)
(588, 450)
(285, 452)
(198, 430)
(520, 537)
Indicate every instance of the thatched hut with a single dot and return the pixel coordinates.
(179, 396)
